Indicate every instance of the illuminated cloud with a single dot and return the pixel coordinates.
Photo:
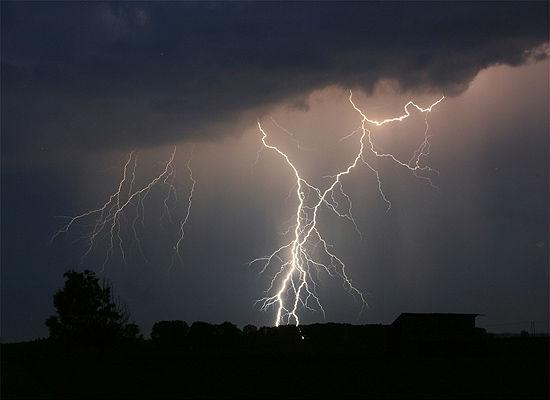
(96, 75)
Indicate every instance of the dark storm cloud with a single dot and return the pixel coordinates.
(96, 75)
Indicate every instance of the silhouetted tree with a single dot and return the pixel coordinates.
(131, 332)
(169, 332)
(228, 334)
(201, 334)
(250, 330)
(87, 313)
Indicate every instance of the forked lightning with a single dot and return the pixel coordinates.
(127, 200)
(293, 284)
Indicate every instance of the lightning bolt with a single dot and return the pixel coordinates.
(293, 284)
(126, 200)
(183, 222)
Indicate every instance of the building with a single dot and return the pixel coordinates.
(435, 334)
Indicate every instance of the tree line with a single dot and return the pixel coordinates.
(89, 315)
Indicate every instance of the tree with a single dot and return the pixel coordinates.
(250, 330)
(87, 314)
(170, 332)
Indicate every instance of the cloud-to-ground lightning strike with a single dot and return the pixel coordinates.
(107, 219)
(294, 285)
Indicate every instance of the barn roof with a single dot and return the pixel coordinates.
(403, 316)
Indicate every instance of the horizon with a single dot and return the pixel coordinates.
(537, 333)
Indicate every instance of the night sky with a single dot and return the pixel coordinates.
(84, 84)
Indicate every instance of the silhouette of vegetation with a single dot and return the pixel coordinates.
(417, 356)
(87, 314)
(169, 332)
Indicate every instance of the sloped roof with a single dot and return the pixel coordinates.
(431, 315)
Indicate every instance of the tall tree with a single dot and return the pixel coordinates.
(87, 313)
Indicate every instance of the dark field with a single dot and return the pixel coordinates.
(504, 368)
